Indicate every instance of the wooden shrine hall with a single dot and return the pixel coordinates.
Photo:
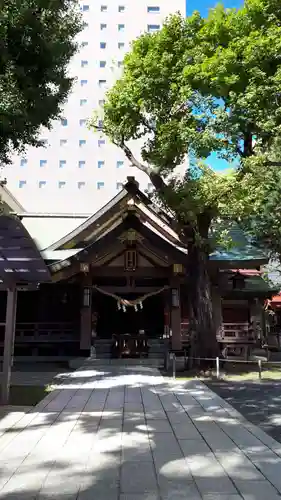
(118, 279)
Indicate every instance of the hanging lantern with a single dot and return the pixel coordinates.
(123, 308)
(84, 267)
(175, 297)
(177, 268)
(136, 307)
(118, 306)
(141, 306)
(86, 297)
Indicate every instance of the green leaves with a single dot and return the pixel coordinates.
(37, 40)
(202, 86)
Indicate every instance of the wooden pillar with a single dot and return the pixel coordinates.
(86, 316)
(176, 315)
(10, 327)
(256, 312)
(217, 310)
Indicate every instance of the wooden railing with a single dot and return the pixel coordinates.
(236, 333)
(41, 332)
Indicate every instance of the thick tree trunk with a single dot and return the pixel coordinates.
(201, 307)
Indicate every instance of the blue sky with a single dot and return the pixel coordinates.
(203, 6)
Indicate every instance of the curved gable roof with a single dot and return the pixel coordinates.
(129, 198)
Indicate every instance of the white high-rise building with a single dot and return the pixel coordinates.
(78, 170)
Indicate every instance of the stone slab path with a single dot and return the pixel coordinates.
(129, 434)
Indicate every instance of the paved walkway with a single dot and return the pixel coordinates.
(259, 402)
(129, 434)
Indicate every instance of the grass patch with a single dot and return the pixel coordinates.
(233, 372)
(253, 375)
(27, 395)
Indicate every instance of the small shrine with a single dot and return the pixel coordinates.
(119, 285)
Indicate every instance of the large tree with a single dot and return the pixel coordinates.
(200, 86)
(37, 41)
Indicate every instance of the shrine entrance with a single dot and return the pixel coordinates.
(114, 320)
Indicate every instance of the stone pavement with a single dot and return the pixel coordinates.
(129, 434)
(259, 402)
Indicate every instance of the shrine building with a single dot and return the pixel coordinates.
(121, 272)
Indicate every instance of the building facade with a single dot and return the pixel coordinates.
(118, 279)
(77, 164)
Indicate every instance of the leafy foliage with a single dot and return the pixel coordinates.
(37, 43)
(263, 220)
(196, 87)
(200, 86)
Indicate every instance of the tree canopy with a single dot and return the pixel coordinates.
(196, 87)
(38, 39)
(200, 86)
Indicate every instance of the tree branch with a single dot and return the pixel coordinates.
(130, 156)
(273, 164)
(153, 173)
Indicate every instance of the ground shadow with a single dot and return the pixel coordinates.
(132, 437)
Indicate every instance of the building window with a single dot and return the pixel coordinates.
(61, 184)
(103, 26)
(23, 162)
(22, 184)
(153, 9)
(83, 83)
(119, 164)
(80, 184)
(101, 102)
(64, 122)
(62, 163)
(100, 185)
(82, 143)
(102, 64)
(43, 163)
(84, 44)
(121, 45)
(149, 187)
(151, 28)
(120, 64)
(121, 8)
(44, 142)
(119, 186)
(83, 102)
(85, 8)
(100, 163)
(102, 83)
(121, 27)
(101, 142)
(84, 64)
(81, 164)
(86, 25)
(42, 184)
(100, 125)
(103, 8)
(63, 142)
(82, 122)
(102, 45)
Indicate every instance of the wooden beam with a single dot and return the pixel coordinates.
(142, 272)
(128, 289)
(9, 341)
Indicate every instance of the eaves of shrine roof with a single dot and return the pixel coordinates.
(143, 230)
(128, 200)
(20, 259)
(242, 251)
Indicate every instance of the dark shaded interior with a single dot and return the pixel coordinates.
(113, 321)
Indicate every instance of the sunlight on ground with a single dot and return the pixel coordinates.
(254, 375)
